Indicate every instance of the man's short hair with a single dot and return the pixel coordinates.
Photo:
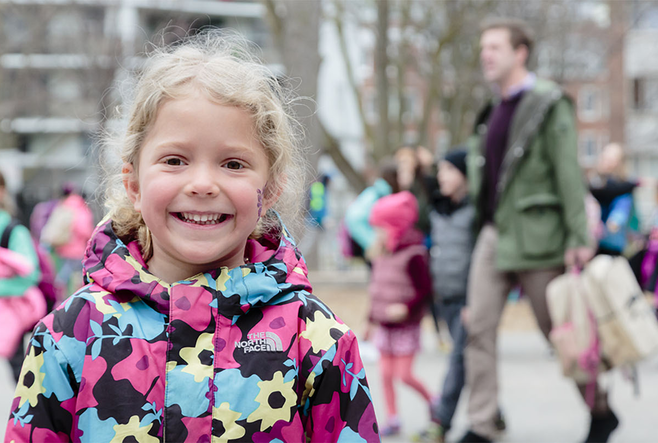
(520, 33)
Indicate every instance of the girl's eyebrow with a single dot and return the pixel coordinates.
(170, 144)
(240, 149)
(220, 146)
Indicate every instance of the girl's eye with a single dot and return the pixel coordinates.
(173, 161)
(234, 165)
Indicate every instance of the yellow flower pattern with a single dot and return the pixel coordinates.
(232, 430)
(33, 364)
(266, 412)
(318, 331)
(132, 429)
(191, 355)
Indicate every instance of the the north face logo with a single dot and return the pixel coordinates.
(260, 342)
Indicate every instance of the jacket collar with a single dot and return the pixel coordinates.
(526, 84)
(276, 270)
(526, 122)
(409, 238)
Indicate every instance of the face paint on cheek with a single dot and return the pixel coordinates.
(260, 201)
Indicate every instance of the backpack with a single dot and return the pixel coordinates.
(348, 247)
(600, 320)
(574, 334)
(625, 320)
(57, 230)
(46, 283)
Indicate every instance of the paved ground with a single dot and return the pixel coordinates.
(540, 405)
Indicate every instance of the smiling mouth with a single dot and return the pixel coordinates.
(202, 219)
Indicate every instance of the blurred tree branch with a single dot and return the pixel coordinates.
(295, 27)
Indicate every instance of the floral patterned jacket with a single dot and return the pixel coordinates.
(244, 354)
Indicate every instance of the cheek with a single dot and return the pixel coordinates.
(155, 195)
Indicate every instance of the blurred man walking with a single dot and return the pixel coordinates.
(527, 187)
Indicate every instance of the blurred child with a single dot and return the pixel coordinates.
(197, 322)
(400, 288)
(22, 305)
(614, 193)
(358, 212)
(453, 240)
(67, 232)
(452, 247)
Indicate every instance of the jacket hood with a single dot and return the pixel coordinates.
(75, 201)
(382, 187)
(276, 270)
(396, 213)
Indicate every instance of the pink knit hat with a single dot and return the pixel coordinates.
(396, 213)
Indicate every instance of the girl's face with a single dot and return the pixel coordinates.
(378, 246)
(199, 186)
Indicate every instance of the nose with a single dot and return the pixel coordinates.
(203, 182)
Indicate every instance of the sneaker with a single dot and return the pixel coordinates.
(500, 421)
(601, 427)
(434, 409)
(435, 433)
(390, 429)
(472, 437)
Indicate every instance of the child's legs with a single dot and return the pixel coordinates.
(387, 370)
(404, 368)
(454, 380)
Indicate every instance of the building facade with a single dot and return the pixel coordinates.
(61, 66)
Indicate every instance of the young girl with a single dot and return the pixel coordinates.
(197, 322)
(400, 288)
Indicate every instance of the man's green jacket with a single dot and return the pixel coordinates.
(541, 209)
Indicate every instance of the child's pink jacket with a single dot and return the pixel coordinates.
(22, 311)
(82, 227)
(244, 354)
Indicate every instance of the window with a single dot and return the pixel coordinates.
(63, 86)
(588, 147)
(594, 11)
(645, 94)
(591, 102)
(644, 15)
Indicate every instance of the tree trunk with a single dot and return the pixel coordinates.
(381, 65)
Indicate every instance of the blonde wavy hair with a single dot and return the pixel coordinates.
(221, 65)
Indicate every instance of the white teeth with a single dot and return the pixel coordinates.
(205, 219)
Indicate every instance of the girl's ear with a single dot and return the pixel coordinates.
(131, 183)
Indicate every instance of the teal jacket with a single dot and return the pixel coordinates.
(541, 191)
(356, 216)
(21, 242)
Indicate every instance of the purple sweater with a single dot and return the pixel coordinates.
(498, 127)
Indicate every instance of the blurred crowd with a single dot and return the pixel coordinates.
(39, 266)
(507, 212)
